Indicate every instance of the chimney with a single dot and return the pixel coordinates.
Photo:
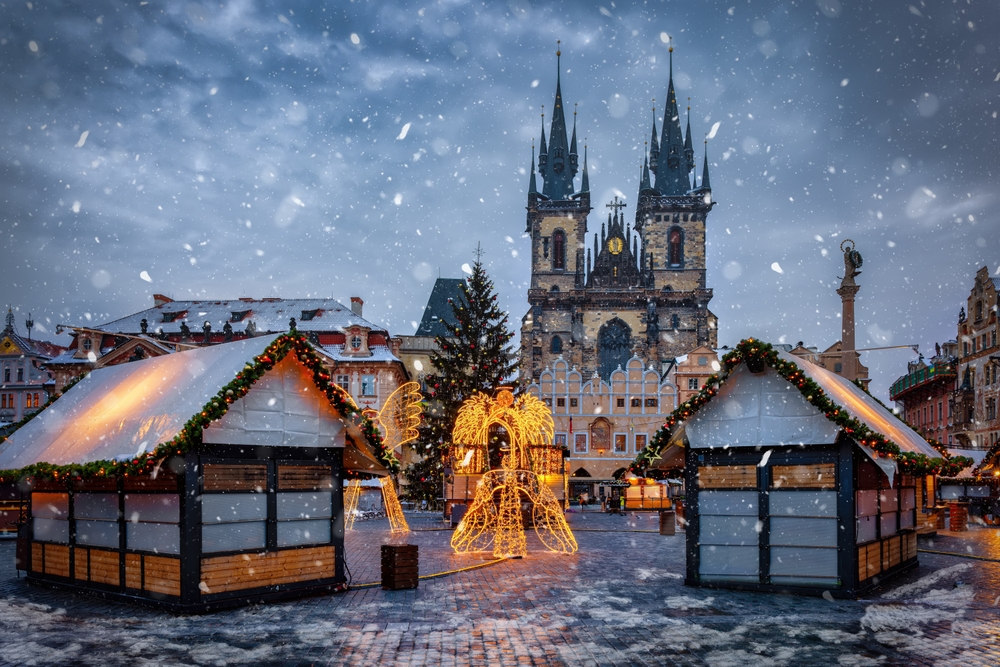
(159, 300)
(356, 305)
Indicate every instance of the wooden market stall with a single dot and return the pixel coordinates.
(794, 479)
(196, 480)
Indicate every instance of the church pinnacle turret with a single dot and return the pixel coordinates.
(558, 167)
(672, 171)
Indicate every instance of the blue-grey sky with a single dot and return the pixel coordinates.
(302, 148)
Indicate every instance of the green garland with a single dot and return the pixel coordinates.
(189, 436)
(757, 355)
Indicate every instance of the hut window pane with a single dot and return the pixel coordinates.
(866, 529)
(889, 500)
(97, 533)
(908, 498)
(888, 523)
(294, 533)
(50, 505)
(971, 491)
(793, 531)
(907, 519)
(153, 520)
(803, 503)
(163, 538)
(292, 506)
(233, 521)
(951, 492)
(793, 565)
(867, 504)
(51, 530)
(96, 506)
(728, 536)
(233, 537)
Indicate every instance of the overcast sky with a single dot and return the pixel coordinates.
(301, 148)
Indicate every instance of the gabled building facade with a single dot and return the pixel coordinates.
(975, 423)
(26, 385)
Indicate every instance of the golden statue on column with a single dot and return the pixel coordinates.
(495, 516)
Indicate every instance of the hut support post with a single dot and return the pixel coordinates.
(847, 548)
(191, 530)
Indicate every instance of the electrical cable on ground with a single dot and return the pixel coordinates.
(959, 555)
(372, 584)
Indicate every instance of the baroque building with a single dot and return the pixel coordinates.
(975, 421)
(636, 287)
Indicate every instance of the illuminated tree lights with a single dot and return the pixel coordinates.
(189, 436)
(500, 524)
(757, 355)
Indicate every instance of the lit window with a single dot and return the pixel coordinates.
(621, 443)
(640, 441)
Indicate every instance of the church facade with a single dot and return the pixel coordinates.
(634, 288)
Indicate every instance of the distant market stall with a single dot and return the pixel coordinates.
(196, 480)
(796, 479)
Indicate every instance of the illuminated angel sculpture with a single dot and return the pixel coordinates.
(526, 421)
(398, 419)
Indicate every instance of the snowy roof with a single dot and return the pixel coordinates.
(977, 456)
(764, 409)
(120, 412)
(268, 315)
(41, 348)
(438, 313)
(378, 353)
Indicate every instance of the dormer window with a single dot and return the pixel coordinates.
(173, 317)
(309, 315)
(87, 344)
(356, 342)
(236, 315)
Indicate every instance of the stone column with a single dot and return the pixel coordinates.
(849, 358)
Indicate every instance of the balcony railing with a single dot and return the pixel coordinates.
(921, 377)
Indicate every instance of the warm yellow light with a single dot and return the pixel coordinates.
(400, 415)
(351, 502)
(527, 421)
(393, 510)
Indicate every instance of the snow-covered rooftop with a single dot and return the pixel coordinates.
(268, 316)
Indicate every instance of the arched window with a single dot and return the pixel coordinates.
(979, 310)
(556, 345)
(600, 435)
(559, 249)
(675, 247)
(614, 347)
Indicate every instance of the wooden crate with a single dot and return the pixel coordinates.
(814, 476)
(400, 566)
(727, 477)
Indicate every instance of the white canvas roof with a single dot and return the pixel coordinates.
(766, 410)
(122, 411)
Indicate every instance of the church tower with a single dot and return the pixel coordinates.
(631, 290)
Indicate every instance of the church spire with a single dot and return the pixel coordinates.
(654, 144)
(585, 182)
(705, 183)
(573, 156)
(561, 168)
(532, 183)
(543, 151)
(644, 181)
(671, 176)
(688, 148)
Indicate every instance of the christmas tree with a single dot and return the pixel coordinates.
(475, 356)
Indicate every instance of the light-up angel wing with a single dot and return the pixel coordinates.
(400, 416)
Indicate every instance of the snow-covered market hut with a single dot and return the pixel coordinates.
(796, 479)
(197, 480)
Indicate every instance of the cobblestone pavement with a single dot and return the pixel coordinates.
(619, 601)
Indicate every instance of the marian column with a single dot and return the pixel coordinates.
(847, 291)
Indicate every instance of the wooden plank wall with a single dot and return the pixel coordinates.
(226, 477)
(221, 574)
(50, 559)
(304, 478)
(814, 476)
(165, 480)
(156, 574)
(875, 557)
(727, 477)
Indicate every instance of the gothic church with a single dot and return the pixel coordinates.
(632, 289)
